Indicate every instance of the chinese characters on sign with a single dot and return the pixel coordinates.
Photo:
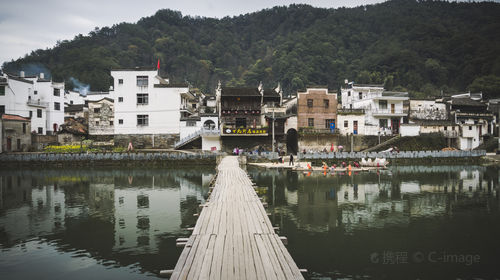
(245, 131)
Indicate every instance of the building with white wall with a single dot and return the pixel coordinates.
(473, 119)
(350, 121)
(21, 96)
(147, 108)
(73, 98)
(101, 117)
(204, 128)
(384, 110)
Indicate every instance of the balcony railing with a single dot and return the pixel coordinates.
(310, 130)
(187, 108)
(196, 134)
(37, 103)
(450, 133)
(351, 111)
(227, 112)
(389, 112)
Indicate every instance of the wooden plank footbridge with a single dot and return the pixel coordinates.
(233, 237)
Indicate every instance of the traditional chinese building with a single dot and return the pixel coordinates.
(250, 112)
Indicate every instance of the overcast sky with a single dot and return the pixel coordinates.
(27, 25)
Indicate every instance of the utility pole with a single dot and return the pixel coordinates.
(273, 132)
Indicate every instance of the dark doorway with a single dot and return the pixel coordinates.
(395, 126)
(9, 144)
(292, 141)
(241, 122)
(209, 124)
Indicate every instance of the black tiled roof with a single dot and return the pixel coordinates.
(466, 102)
(170, 85)
(368, 85)
(434, 122)
(234, 91)
(20, 79)
(74, 108)
(144, 68)
(270, 93)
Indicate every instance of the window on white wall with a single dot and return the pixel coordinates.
(383, 123)
(382, 104)
(120, 99)
(142, 99)
(142, 81)
(57, 106)
(142, 120)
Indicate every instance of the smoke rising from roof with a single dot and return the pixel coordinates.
(82, 88)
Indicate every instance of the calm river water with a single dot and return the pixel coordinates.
(409, 222)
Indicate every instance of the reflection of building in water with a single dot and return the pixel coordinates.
(140, 214)
(357, 193)
(101, 200)
(371, 205)
(152, 207)
(32, 211)
(317, 208)
(429, 204)
(141, 208)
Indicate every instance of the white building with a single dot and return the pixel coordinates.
(31, 97)
(384, 110)
(350, 121)
(204, 127)
(473, 119)
(147, 107)
(53, 94)
(73, 98)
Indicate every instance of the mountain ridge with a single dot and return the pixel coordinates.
(424, 47)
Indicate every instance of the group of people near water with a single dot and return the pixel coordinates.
(343, 164)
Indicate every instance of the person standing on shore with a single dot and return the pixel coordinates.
(291, 160)
(130, 147)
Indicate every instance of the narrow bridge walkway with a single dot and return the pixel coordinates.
(233, 237)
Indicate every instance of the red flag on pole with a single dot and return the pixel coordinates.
(158, 67)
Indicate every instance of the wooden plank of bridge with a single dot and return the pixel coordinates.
(233, 237)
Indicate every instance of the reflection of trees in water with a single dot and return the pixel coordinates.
(82, 216)
(371, 199)
(189, 206)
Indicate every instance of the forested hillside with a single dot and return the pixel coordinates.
(421, 46)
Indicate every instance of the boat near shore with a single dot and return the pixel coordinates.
(307, 166)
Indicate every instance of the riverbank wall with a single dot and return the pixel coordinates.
(107, 159)
(401, 158)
